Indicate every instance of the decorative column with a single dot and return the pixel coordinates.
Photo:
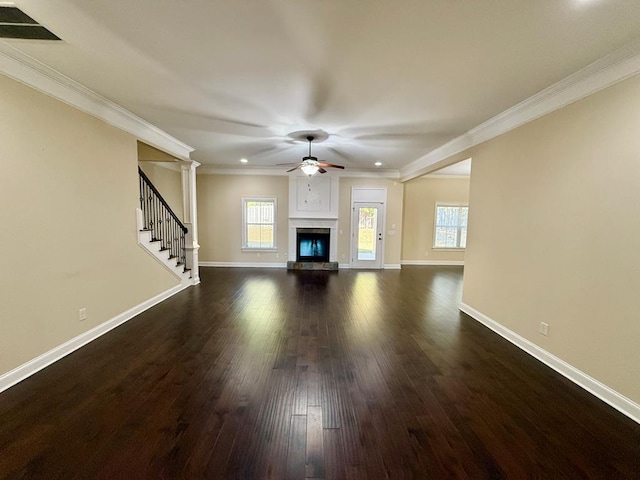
(190, 208)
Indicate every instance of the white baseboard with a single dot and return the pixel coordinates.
(341, 266)
(242, 265)
(386, 266)
(27, 369)
(443, 263)
(618, 401)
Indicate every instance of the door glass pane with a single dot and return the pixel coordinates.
(367, 228)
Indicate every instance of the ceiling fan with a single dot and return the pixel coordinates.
(310, 165)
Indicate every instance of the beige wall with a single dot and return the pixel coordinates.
(420, 198)
(554, 234)
(220, 216)
(168, 182)
(147, 153)
(393, 243)
(68, 194)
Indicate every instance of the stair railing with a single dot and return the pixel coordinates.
(158, 218)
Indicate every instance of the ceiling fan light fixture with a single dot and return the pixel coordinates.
(309, 169)
(378, 164)
(310, 165)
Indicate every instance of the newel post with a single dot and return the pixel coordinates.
(189, 203)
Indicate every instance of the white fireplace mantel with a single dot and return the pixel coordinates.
(330, 223)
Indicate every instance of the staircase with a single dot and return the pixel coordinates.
(160, 231)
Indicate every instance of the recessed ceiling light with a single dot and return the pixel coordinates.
(244, 160)
(377, 164)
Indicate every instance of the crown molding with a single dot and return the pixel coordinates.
(609, 70)
(218, 170)
(248, 170)
(37, 75)
(394, 174)
(446, 177)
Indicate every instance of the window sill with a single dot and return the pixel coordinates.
(448, 249)
(254, 249)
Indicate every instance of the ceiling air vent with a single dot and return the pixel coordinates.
(14, 23)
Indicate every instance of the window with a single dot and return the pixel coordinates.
(451, 226)
(259, 223)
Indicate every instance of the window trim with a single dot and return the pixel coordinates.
(244, 247)
(435, 226)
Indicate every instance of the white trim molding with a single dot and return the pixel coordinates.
(618, 401)
(433, 263)
(31, 72)
(220, 170)
(609, 70)
(27, 369)
(342, 266)
(190, 212)
(280, 172)
(243, 265)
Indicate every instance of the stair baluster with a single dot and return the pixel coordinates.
(164, 225)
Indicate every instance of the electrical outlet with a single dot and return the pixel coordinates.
(544, 328)
(82, 314)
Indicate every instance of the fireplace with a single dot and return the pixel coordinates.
(312, 244)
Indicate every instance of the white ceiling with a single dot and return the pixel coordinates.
(389, 81)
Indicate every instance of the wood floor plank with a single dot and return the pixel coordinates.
(297, 452)
(315, 443)
(270, 374)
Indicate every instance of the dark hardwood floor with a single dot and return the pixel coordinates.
(274, 374)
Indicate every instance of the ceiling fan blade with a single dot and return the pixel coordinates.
(340, 154)
(287, 164)
(222, 125)
(325, 164)
(322, 170)
(261, 151)
(318, 94)
(294, 168)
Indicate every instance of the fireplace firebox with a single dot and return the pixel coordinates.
(312, 244)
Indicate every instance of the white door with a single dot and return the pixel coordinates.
(367, 244)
